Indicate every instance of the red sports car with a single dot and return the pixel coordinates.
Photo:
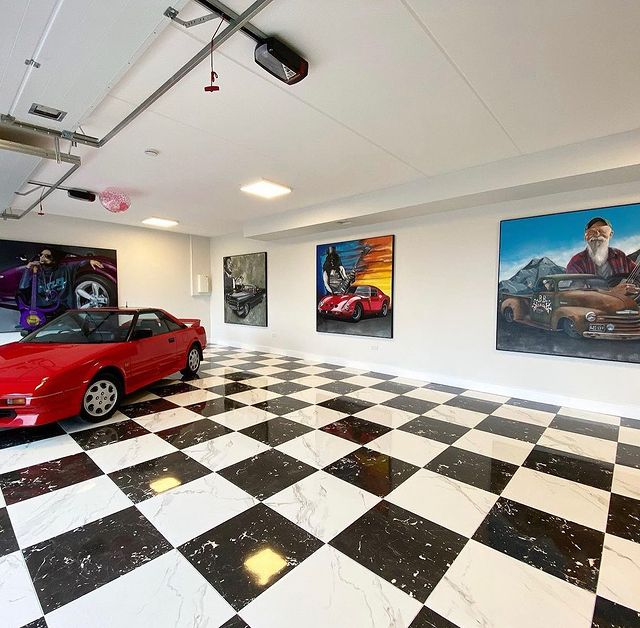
(356, 302)
(85, 361)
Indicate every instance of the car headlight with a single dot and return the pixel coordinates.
(610, 327)
(16, 401)
(591, 317)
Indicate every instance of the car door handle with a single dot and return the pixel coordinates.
(172, 339)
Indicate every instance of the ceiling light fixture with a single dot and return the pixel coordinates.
(265, 189)
(151, 152)
(159, 222)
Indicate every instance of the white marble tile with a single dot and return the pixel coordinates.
(267, 370)
(362, 380)
(454, 505)
(495, 446)
(193, 508)
(322, 504)
(231, 362)
(128, 452)
(485, 396)
(209, 381)
(330, 589)
(459, 416)
(408, 447)
(353, 371)
(620, 572)
(313, 380)
(167, 418)
(372, 395)
(218, 371)
(45, 516)
(26, 455)
(225, 450)
(386, 415)
(426, 394)
(191, 397)
(558, 496)
(256, 395)
(243, 417)
(525, 415)
(486, 588)
(139, 396)
(19, 604)
(313, 395)
(261, 381)
(165, 593)
(311, 370)
(590, 416)
(588, 446)
(626, 481)
(407, 381)
(315, 416)
(629, 435)
(76, 424)
(317, 448)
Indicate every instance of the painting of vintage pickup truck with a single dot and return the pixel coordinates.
(245, 289)
(569, 284)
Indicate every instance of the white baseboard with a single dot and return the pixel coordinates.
(620, 410)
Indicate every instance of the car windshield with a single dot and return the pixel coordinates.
(586, 283)
(84, 328)
(361, 290)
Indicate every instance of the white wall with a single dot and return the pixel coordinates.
(444, 309)
(154, 267)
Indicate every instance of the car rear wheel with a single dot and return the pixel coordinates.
(95, 291)
(385, 309)
(569, 328)
(357, 313)
(193, 361)
(101, 398)
(508, 315)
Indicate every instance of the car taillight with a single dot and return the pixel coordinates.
(16, 401)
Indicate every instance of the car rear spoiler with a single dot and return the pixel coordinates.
(192, 322)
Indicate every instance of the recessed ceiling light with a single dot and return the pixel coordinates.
(151, 152)
(159, 222)
(265, 189)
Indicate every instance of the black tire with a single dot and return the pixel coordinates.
(192, 364)
(385, 309)
(569, 328)
(508, 315)
(243, 310)
(101, 398)
(102, 289)
(357, 313)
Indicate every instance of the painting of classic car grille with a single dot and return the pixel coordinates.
(39, 280)
(569, 284)
(245, 289)
(354, 287)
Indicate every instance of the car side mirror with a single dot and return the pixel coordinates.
(140, 334)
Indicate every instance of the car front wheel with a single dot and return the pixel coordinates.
(569, 328)
(357, 313)
(243, 310)
(508, 315)
(193, 361)
(95, 291)
(101, 399)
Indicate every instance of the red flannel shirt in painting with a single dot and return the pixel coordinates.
(583, 264)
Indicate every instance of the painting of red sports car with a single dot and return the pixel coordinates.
(85, 361)
(356, 303)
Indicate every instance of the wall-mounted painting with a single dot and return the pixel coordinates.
(354, 287)
(569, 284)
(245, 289)
(38, 281)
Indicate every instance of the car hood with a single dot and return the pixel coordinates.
(599, 300)
(32, 362)
(334, 299)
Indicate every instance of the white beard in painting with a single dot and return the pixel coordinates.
(598, 249)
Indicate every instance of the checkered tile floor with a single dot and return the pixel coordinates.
(274, 492)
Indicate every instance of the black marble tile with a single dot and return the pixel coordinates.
(632, 423)
(23, 435)
(286, 388)
(108, 434)
(624, 517)
(285, 375)
(166, 390)
(562, 548)
(452, 390)
(48, 476)
(471, 468)
(215, 406)
(235, 622)
(291, 365)
(146, 479)
(72, 564)
(267, 473)
(427, 618)
(346, 405)
(327, 366)
(527, 432)
(410, 552)
(608, 614)
(276, 431)
(193, 433)
(238, 376)
(8, 541)
(229, 555)
(393, 387)
(232, 388)
(144, 408)
(372, 471)
(571, 467)
(533, 405)
(336, 375)
(588, 428)
(434, 429)
(281, 405)
(356, 430)
(471, 403)
(410, 404)
(340, 388)
(628, 455)
(377, 375)
(38, 623)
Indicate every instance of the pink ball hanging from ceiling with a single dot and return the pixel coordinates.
(115, 200)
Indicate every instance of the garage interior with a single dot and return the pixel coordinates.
(329, 475)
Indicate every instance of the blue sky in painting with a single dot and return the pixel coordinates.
(560, 236)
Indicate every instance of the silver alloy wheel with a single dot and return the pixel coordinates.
(100, 398)
(193, 361)
(91, 294)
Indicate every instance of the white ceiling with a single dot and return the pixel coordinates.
(397, 92)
